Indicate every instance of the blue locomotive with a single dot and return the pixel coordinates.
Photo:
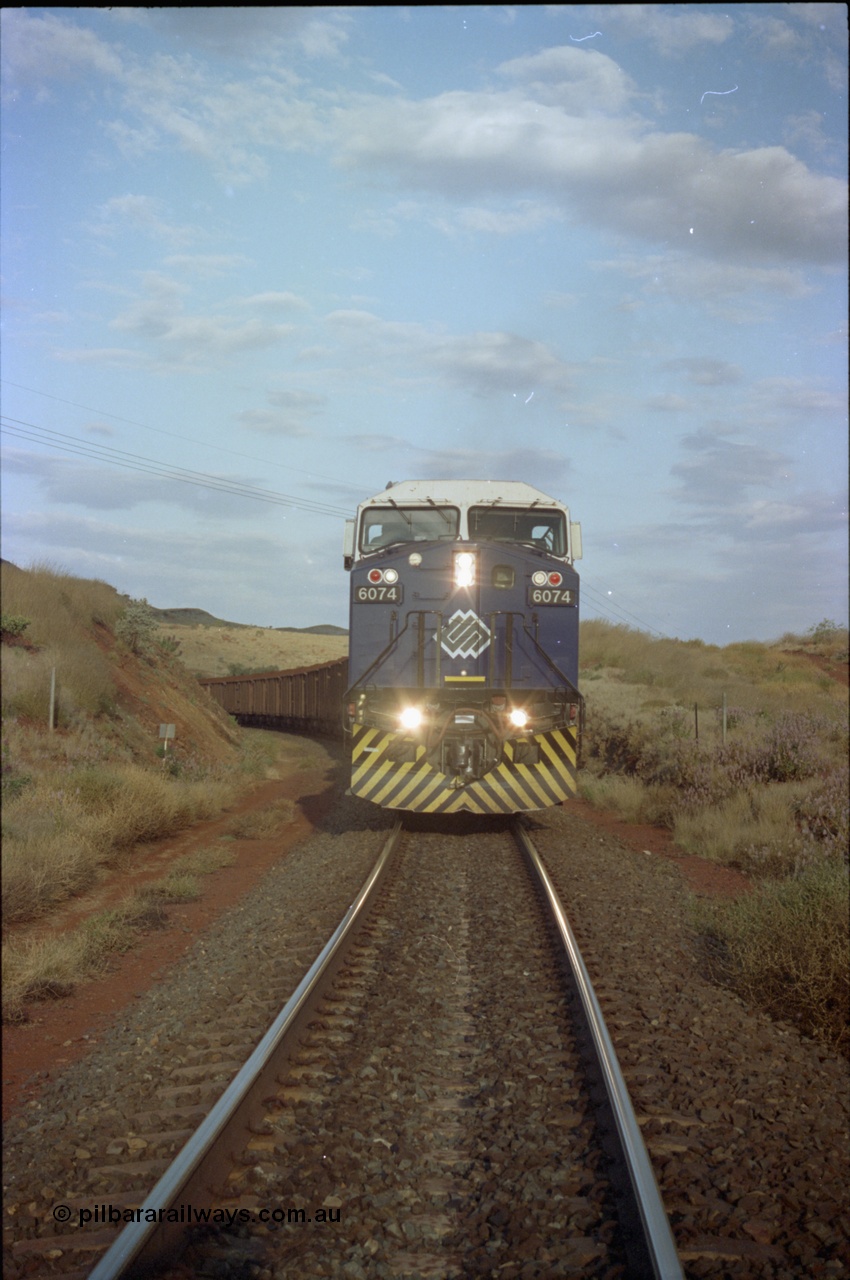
(463, 659)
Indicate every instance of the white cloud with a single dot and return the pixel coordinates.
(526, 215)
(674, 188)
(718, 474)
(253, 31)
(667, 402)
(544, 468)
(703, 371)
(228, 574)
(174, 337)
(227, 123)
(39, 50)
(206, 265)
(483, 363)
(739, 293)
(108, 357)
(794, 400)
(581, 82)
(297, 401)
(276, 301)
(489, 363)
(671, 29)
(271, 422)
(141, 213)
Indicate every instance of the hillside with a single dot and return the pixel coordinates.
(107, 694)
(200, 618)
(223, 649)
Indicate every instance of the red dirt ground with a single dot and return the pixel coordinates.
(62, 1031)
(704, 878)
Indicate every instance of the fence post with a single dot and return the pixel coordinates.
(724, 719)
(696, 721)
(51, 716)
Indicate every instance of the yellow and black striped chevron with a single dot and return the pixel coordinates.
(417, 786)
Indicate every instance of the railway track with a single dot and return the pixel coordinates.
(441, 1055)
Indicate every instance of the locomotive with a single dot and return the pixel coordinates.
(463, 648)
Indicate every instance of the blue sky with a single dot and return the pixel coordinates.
(258, 262)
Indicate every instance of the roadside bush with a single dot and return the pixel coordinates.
(50, 965)
(263, 823)
(137, 626)
(628, 797)
(785, 947)
(823, 812)
(62, 827)
(753, 829)
(12, 625)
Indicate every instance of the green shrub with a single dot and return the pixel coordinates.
(12, 625)
(785, 947)
(170, 645)
(826, 632)
(137, 626)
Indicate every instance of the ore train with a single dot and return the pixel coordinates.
(463, 648)
(460, 690)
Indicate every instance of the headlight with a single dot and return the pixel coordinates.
(410, 718)
(518, 718)
(464, 566)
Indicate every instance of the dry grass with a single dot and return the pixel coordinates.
(178, 886)
(785, 946)
(59, 606)
(49, 966)
(63, 828)
(261, 824)
(212, 651)
(627, 797)
(63, 613)
(77, 801)
(754, 830)
(204, 861)
(628, 669)
(772, 800)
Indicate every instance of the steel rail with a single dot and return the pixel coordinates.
(663, 1257)
(142, 1244)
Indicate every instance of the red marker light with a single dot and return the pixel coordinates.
(555, 579)
(375, 575)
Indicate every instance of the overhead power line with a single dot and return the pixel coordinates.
(67, 443)
(160, 431)
(616, 611)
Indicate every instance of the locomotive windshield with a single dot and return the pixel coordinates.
(383, 526)
(544, 529)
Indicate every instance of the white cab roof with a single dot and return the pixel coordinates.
(463, 493)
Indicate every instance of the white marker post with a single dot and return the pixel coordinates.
(166, 731)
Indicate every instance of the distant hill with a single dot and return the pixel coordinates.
(200, 618)
(324, 629)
